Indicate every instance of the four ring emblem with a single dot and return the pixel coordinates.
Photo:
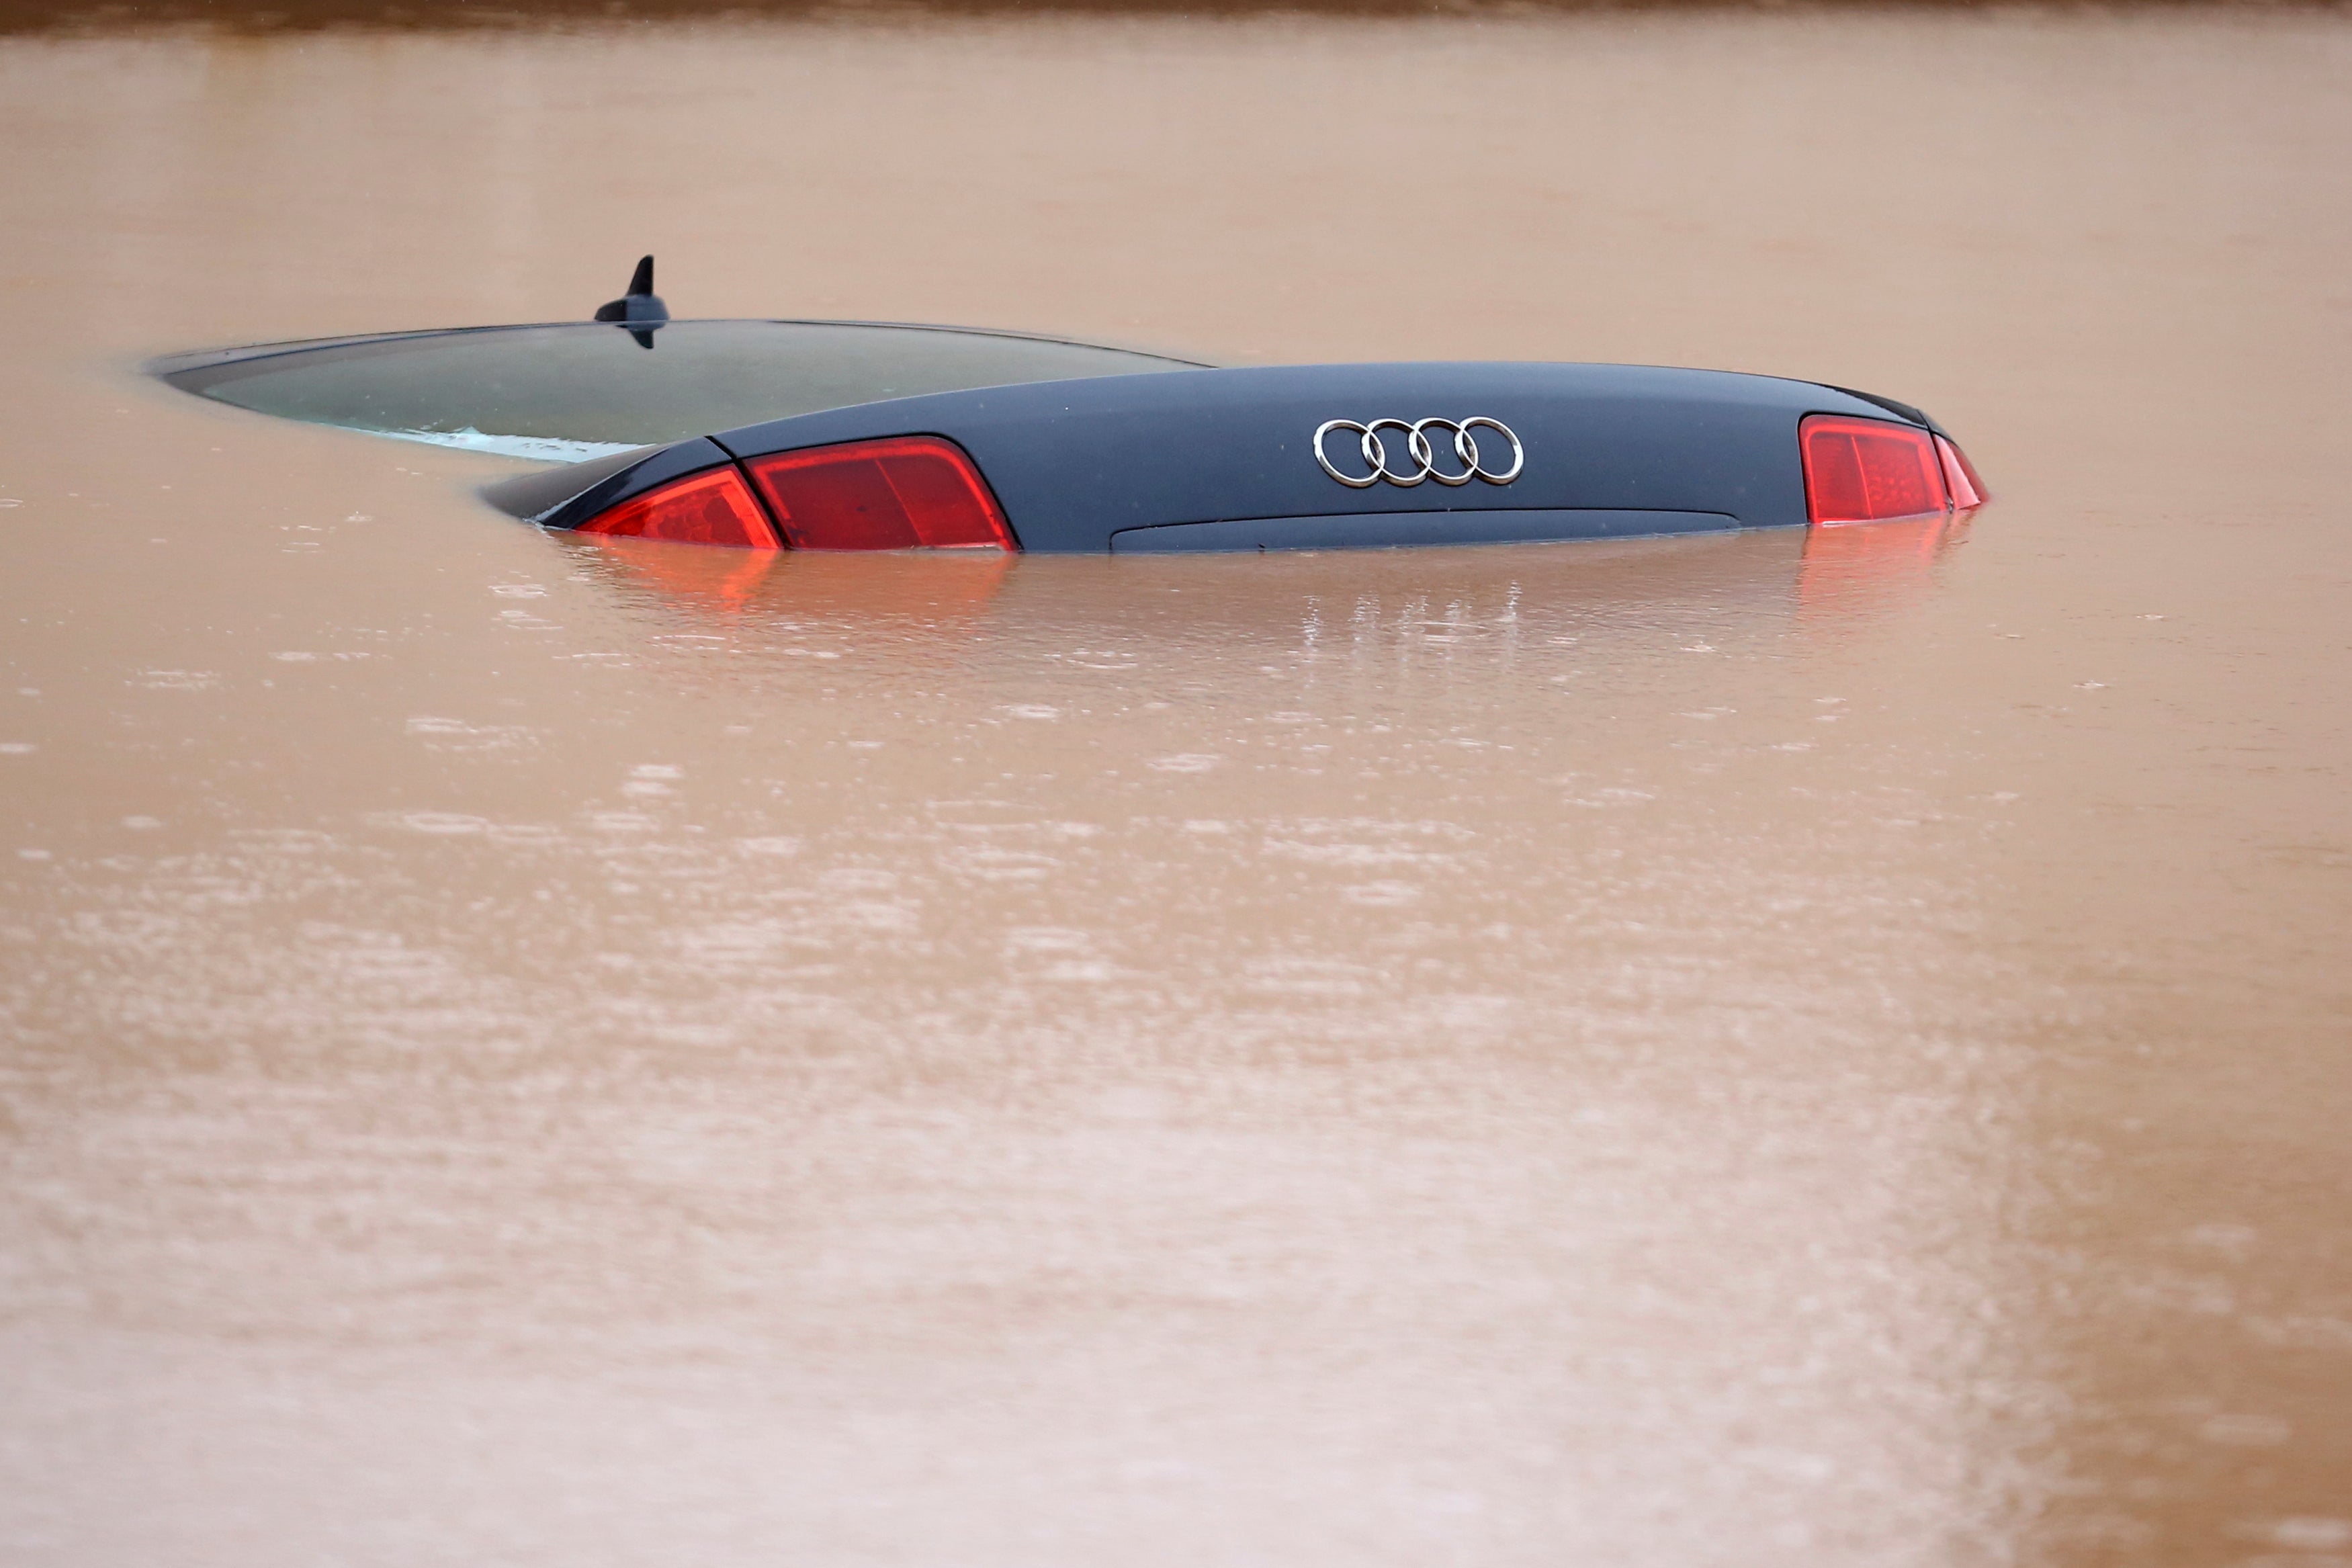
(1423, 452)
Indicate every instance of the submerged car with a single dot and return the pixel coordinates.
(771, 435)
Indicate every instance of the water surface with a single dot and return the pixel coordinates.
(1747, 1050)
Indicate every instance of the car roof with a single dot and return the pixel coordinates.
(567, 391)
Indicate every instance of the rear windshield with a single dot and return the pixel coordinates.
(580, 390)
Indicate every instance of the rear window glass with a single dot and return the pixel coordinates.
(580, 390)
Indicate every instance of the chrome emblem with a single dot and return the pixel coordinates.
(1422, 450)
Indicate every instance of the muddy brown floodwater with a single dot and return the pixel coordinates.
(1751, 1050)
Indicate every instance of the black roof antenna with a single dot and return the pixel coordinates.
(641, 309)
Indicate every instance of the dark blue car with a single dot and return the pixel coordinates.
(865, 435)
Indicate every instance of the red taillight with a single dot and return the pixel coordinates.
(1960, 477)
(905, 493)
(1865, 470)
(710, 508)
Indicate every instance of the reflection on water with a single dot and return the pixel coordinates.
(936, 590)
(1777, 1048)
(1832, 571)
(1850, 567)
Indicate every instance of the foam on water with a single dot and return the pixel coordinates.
(540, 448)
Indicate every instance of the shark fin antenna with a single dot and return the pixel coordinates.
(640, 309)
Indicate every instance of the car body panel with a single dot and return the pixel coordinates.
(1074, 464)
(1338, 531)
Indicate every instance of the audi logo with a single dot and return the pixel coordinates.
(1422, 450)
